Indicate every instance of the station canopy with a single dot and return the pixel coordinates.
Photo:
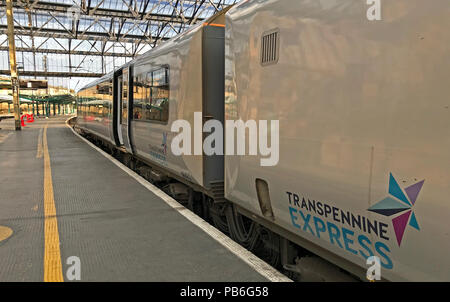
(72, 42)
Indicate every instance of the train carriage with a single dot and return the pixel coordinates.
(362, 106)
(364, 146)
(171, 82)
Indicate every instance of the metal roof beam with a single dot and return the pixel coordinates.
(72, 52)
(102, 12)
(54, 74)
(61, 33)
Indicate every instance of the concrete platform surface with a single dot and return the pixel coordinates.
(119, 230)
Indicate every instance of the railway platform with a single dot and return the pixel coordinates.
(64, 203)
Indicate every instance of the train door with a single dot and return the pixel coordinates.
(124, 109)
(130, 108)
(118, 119)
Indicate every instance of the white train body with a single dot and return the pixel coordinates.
(182, 57)
(190, 80)
(364, 124)
(358, 101)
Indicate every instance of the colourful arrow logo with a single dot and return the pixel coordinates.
(400, 204)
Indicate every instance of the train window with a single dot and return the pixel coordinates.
(270, 43)
(103, 95)
(139, 97)
(125, 97)
(151, 96)
(159, 108)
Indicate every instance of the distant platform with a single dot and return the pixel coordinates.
(4, 117)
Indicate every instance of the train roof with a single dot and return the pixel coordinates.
(164, 46)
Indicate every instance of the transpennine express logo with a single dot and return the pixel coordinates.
(399, 203)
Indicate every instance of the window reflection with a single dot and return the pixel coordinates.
(151, 96)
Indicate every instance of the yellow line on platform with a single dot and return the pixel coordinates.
(52, 253)
(5, 233)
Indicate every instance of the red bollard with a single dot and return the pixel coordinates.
(30, 118)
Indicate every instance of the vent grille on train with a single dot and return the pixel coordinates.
(269, 47)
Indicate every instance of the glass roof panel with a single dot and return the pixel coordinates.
(70, 42)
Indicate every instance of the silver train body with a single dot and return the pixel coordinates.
(364, 124)
(135, 111)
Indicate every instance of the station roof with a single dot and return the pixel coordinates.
(70, 42)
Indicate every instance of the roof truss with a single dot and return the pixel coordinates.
(83, 30)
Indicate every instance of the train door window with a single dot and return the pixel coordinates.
(125, 97)
(138, 97)
(148, 96)
(110, 97)
(119, 96)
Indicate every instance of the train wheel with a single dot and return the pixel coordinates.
(270, 251)
(254, 237)
(217, 214)
(242, 229)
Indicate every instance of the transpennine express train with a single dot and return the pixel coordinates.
(364, 131)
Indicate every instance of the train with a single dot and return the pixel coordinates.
(363, 170)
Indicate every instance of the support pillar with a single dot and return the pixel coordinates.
(13, 64)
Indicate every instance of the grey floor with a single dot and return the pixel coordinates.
(118, 229)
